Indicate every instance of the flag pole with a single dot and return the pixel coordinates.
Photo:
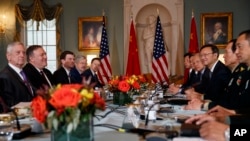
(103, 16)
(105, 70)
(103, 12)
(131, 15)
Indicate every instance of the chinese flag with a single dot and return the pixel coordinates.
(133, 65)
(193, 42)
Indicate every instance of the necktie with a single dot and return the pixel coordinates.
(46, 78)
(69, 78)
(199, 76)
(95, 77)
(26, 82)
(210, 74)
(196, 78)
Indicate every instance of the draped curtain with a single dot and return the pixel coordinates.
(38, 11)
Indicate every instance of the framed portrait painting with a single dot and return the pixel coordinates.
(89, 33)
(216, 28)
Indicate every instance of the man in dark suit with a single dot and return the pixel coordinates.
(35, 68)
(79, 68)
(230, 97)
(241, 96)
(218, 75)
(14, 86)
(239, 116)
(195, 77)
(91, 72)
(62, 74)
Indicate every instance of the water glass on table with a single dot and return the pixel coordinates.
(6, 127)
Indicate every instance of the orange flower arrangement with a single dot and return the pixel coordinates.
(66, 104)
(127, 84)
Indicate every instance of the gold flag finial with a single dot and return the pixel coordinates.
(131, 13)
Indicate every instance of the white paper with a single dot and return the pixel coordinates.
(22, 105)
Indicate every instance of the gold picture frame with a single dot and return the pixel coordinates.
(216, 28)
(89, 33)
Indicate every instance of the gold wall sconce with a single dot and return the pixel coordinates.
(2, 25)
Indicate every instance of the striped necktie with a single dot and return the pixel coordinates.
(45, 78)
(69, 78)
(26, 82)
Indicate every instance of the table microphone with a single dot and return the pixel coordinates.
(155, 93)
(149, 109)
(17, 120)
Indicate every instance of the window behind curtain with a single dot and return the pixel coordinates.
(45, 36)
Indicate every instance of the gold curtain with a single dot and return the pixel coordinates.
(38, 11)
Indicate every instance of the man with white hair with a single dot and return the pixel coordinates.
(79, 68)
(14, 85)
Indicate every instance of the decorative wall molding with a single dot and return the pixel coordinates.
(172, 18)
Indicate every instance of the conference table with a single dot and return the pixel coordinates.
(117, 118)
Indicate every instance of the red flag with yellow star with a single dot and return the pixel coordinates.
(193, 42)
(133, 65)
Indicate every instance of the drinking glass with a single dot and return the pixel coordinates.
(131, 119)
(6, 127)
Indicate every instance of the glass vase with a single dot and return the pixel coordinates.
(83, 132)
(121, 98)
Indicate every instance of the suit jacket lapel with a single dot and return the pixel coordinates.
(15, 75)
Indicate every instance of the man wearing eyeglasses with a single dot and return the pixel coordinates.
(217, 74)
(231, 97)
(234, 117)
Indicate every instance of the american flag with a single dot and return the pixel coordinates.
(104, 72)
(159, 63)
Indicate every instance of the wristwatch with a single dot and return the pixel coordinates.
(227, 134)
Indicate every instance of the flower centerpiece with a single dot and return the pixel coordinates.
(124, 87)
(67, 110)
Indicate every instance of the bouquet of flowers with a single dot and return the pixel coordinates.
(127, 84)
(65, 105)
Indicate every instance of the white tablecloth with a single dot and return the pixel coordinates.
(116, 118)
